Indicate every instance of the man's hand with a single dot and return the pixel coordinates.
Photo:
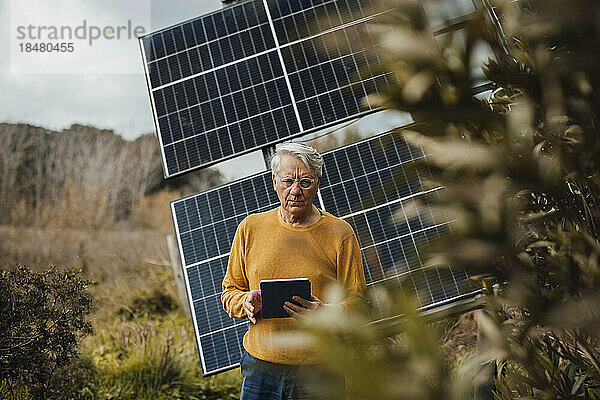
(252, 305)
(305, 306)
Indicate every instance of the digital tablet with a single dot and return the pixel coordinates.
(275, 292)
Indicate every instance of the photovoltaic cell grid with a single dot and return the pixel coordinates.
(258, 73)
(372, 186)
(369, 184)
(331, 74)
(295, 20)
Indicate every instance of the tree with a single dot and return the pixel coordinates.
(521, 173)
(42, 319)
(14, 146)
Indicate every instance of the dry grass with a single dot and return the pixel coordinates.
(153, 212)
(75, 207)
(122, 263)
(459, 339)
(153, 359)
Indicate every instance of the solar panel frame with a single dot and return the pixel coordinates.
(182, 152)
(194, 254)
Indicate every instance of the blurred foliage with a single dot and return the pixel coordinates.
(522, 182)
(42, 319)
(378, 366)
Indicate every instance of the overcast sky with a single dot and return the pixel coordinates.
(106, 100)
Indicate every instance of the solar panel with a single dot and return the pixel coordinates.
(257, 73)
(368, 184)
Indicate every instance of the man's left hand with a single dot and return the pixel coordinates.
(304, 306)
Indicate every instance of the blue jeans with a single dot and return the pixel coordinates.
(269, 381)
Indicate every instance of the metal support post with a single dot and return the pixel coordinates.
(178, 274)
(268, 152)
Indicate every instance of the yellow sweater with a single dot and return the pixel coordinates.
(266, 247)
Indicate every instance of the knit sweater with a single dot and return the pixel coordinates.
(266, 247)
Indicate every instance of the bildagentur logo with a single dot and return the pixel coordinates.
(85, 31)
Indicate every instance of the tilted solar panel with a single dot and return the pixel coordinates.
(255, 74)
(368, 184)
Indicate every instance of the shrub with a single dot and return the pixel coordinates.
(42, 319)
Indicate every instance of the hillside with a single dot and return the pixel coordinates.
(81, 176)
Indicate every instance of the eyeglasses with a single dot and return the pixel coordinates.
(304, 183)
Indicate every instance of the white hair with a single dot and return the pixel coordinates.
(309, 156)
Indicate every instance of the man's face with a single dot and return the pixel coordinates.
(294, 199)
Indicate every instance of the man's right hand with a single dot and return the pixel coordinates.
(252, 305)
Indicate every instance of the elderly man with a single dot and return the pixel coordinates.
(294, 240)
